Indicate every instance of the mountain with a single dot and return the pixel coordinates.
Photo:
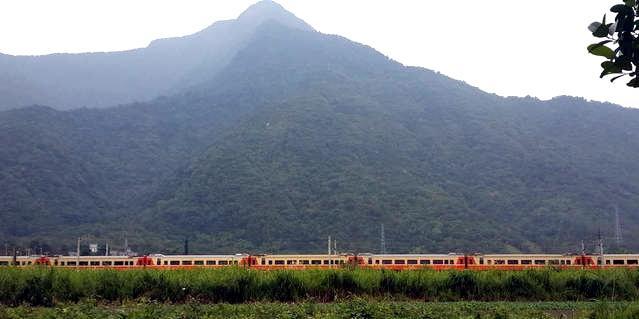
(166, 66)
(301, 135)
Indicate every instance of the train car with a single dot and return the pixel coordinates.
(302, 261)
(522, 261)
(189, 261)
(417, 261)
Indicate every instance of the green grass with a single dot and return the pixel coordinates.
(355, 308)
(48, 287)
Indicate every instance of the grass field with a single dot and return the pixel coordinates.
(49, 287)
(354, 308)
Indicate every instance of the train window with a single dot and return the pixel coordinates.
(4, 263)
(540, 262)
(270, 262)
(291, 262)
(618, 262)
(304, 262)
(62, 263)
(84, 263)
(263, 261)
(279, 262)
(412, 261)
(370, 261)
(29, 263)
(166, 262)
(316, 262)
(71, 263)
(632, 262)
(187, 262)
(325, 262)
(158, 261)
(568, 262)
(446, 262)
(341, 262)
(513, 262)
(500, 262)
(438, 262)
(424, 262)
(387, 262)
(106, 263)
(225, 262)
(399, 262)
(174, 262)
(607, 262)
(377, 262)
(563, 262)
(481, 260)
(210, 262)
(526, 262)
(553, 262)
(234, 262)
(198, 262)
(95, 263)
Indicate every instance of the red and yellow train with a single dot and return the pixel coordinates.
(375, 261)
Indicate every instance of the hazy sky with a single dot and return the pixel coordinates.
(517, 48)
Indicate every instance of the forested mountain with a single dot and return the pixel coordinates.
(302, 135)
(166, 66)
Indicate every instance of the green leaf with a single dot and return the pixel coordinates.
(620, 8)
(594, 26)
(609, 68)
(612, 28)
(600, 49)
(634, 83)
(601, 32)
(630, 3)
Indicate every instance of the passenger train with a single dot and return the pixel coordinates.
(374, 261)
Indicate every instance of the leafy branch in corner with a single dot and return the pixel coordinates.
(621, 44)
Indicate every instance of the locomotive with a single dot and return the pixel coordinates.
(366, 260)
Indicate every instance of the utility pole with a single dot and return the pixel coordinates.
(77, 253)
(601, 250)
(329, 245)
(618, 235)
(126, 244)
(382, 241)
(335, 246)
(106, 249)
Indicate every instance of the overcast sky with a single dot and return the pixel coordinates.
(519, 48)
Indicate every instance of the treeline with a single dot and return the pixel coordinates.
(47, 287)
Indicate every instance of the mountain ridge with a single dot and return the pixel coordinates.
(164, 67)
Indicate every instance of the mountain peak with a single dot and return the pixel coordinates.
(266, 10)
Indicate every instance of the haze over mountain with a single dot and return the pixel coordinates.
(289, 135)
(67, 81)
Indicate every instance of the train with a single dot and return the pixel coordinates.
(328, 261)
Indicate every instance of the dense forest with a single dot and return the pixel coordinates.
(302, 135)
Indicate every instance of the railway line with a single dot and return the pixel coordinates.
(318, 261)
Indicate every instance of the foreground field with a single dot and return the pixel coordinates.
(49, 287)
(356, 309)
